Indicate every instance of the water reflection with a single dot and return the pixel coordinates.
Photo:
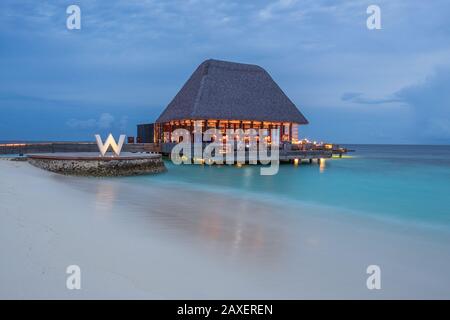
(105, 196)
(322, 165)
(238, 228)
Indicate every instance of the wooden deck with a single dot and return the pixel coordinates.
(284, 155)
(304, 155)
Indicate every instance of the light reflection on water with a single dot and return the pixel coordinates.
(231, 212)
(401, 182)
(322, 165)
(220, 207)
(105, 197)
(237, 228)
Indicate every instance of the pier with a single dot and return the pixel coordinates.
(287, 152)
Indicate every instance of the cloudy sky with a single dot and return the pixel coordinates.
(130, 58)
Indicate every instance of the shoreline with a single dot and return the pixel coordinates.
(343, 212)
(135, 242)
(349, 213)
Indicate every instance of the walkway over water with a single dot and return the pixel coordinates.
(285, 154)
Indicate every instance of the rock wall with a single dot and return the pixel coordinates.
(101, 168)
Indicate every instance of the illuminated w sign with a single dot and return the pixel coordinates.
(103, 147)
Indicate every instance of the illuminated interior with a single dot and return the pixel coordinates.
(163, 131)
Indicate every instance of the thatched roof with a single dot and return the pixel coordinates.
(232, 91)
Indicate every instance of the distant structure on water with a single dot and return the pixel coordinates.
(227, 95)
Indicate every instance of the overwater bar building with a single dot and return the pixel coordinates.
(228, 95)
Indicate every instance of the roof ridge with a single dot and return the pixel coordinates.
(224, 63)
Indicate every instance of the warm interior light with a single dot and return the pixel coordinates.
(322, 165)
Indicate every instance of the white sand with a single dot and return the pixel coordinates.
(134, 242)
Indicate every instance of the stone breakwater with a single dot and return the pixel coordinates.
(79, 164)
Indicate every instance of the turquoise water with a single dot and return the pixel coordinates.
(407, 183)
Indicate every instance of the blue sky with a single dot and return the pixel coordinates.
(131, 57)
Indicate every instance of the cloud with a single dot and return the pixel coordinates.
(131, 57)
(81, 124)
(357, 97)
(430, 102)
(105, 121)
(277, 8)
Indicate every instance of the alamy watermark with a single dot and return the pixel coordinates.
(73, 21)
(73, 281)
(373, 22)
(237, 146)
(374, 280)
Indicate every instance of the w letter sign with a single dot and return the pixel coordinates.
(110, 142)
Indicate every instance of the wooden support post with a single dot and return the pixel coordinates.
(290, 133)
(170, 132)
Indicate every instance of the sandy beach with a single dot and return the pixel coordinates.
(171, 242)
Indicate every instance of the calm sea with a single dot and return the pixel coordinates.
(397, 182)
